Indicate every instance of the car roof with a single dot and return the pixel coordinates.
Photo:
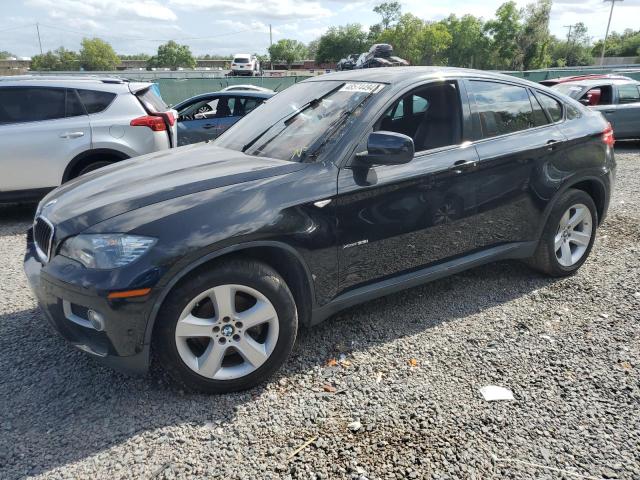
(237, 93)
(112, 84)
(600, 81)
(411, 74)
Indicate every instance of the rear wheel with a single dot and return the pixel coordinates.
(93, 166)
(568, 235)
(227, 329)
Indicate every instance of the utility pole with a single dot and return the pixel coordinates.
(604, 44)
(570, 27)
(39, 41)
(270, 44)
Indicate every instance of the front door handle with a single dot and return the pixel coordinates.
(72, 135)
(209, 126)
(462, 165)
(609, 111)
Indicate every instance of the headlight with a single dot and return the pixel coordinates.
(106, 251)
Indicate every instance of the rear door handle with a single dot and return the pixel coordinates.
(72, 135)
(462, 165)
(609, 111)
(552, 144)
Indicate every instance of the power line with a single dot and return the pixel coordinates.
(144, 39)
(16, 27)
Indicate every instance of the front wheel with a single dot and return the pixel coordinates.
(226, 329)
(568, 236)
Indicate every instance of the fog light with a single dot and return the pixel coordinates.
(96, 319)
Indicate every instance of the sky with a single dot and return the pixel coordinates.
(242, 26)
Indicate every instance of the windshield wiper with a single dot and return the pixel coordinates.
(288, 119)
(314, 149)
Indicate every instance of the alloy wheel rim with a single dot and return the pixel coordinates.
(227, 332)
(573, 235)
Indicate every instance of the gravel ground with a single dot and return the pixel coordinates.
(411, 368)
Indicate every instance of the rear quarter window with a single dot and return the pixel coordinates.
(95, 101)
(551, 105)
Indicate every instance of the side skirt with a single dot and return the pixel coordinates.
(419, 277)
(24, 196)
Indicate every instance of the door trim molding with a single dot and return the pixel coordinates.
(419, 277)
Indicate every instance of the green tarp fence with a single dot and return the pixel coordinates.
(175, 90)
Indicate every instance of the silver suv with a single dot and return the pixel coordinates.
(53, 129)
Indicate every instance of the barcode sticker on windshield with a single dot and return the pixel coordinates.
(361, 87)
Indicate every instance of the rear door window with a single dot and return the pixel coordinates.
(95, 101)
(31, 104)
(502, 108)
(628, 93)
(74, 106)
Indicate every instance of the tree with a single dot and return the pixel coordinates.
(469, 43)
(136, 56)
(535, 39)
(505, 32)
(341, 41)
(5, 55)
(56, 60)
(625, 44)
(435, 42)
(417, 41)
(406, 38)
(575, 51)
(173, 56)
(312, 49)
(288, 51)
(96, 54)
(390, 12)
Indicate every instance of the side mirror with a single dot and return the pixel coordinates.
(585, 102)
(386, 148)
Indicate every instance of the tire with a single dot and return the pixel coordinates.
(219, 363)
(561, 263)
(93, 166)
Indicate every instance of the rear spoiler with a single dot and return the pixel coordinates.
(139, 87)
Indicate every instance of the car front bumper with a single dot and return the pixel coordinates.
(118, 344)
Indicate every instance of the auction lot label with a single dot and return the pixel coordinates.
(361, 87)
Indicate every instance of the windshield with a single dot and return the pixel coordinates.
(298, 122)
(570, 89)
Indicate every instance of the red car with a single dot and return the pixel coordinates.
(593, 76)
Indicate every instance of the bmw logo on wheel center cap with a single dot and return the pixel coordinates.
(227, 330)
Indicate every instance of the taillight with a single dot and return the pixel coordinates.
(155, 123)
(168, 116)
(607, 136)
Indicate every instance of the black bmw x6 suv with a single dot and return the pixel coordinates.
(342, 188)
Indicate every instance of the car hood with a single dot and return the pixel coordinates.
(150, 179)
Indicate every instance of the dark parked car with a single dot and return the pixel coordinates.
(348, 63)
(618, 100)
(206, 116)
(340, 189)
(381, 55)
